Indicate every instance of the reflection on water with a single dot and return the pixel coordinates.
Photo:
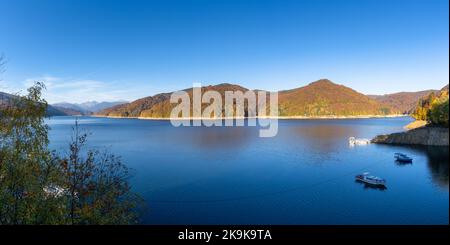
(369, 186)
(322, 138)
(402, 163)
(437, 162)
(215, 138)
(304, 175)
(320, 133)
(438, 159)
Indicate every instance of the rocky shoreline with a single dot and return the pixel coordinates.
(428, 135)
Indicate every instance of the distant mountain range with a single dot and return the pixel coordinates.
(7, 99)
(66, 109)
(319, 98)
(85, 108)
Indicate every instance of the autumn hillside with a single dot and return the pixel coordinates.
(325, 98)
(433, 108)
(159, 105)
(404, 102)
(320, 98)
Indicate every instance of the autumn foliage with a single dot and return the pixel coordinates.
(433, 108)
(39, 186)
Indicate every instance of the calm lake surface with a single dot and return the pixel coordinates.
(304, 175)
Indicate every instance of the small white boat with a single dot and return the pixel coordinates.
(402, 157)
(370, 179)
(354, 141)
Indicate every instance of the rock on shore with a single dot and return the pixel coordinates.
(433, 136)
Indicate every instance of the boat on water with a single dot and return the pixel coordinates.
(370, 179)
(354, 141)
(400, 157)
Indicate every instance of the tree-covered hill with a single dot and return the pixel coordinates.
(320, 98)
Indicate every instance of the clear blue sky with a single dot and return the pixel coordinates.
(109, 50)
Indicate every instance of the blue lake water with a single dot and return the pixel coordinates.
(304, 175)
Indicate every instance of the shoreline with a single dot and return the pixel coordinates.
(425, 135)
(415, 124)
(265, 117)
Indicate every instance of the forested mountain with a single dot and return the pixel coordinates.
(325, 98)
(403, 102)
(320, 98)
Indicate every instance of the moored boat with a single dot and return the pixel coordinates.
(370, 179)
(402, 157)
(354, 141)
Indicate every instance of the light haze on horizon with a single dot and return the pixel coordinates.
(125, 50)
